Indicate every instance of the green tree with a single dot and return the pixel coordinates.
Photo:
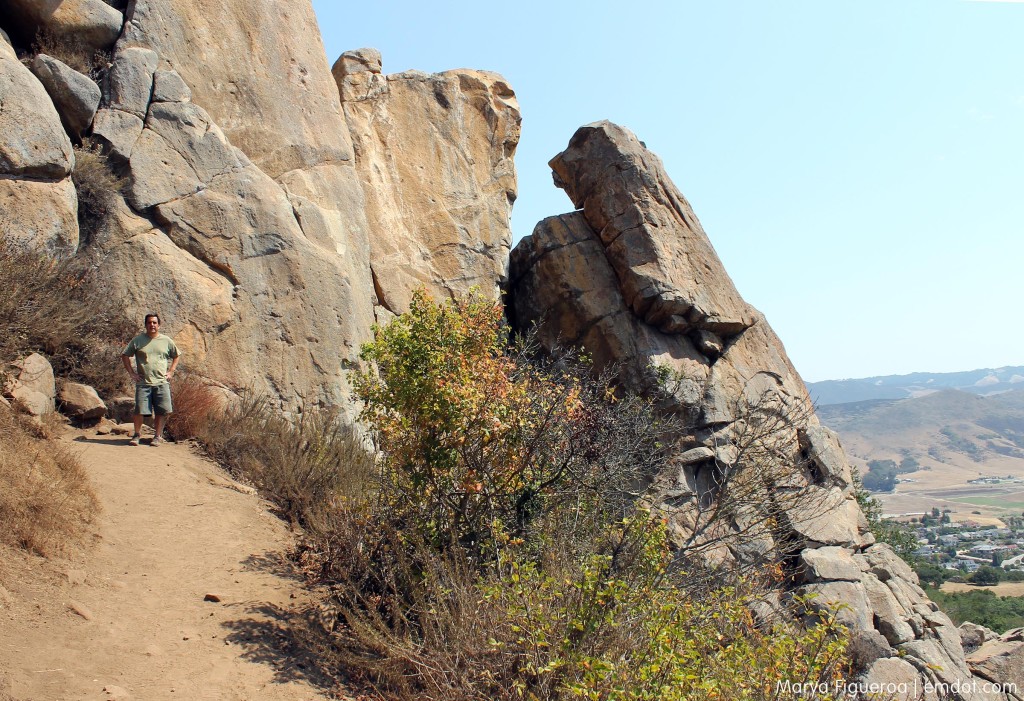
(986, 576)
(899, 537)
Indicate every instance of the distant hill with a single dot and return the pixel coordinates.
(985, 382)
(969, 448)
(958, 421)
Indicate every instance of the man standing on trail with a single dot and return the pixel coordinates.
(152, 351)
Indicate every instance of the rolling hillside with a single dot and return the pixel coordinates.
(970, 449)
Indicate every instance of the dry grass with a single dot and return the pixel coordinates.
(303, 465)
(46, 503)
(196, 405)
(99, 188)
(72, 51)
(58, 309)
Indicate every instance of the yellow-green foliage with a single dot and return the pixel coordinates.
(503, 553)
(481, 437)
(632, 631)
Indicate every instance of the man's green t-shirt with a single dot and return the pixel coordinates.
(152, 357)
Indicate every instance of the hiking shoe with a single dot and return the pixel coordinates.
(156, 441)
(134, 440)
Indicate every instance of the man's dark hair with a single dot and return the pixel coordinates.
(146, 319)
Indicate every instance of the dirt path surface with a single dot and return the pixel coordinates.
(128, 620)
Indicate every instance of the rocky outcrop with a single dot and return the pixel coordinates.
(434, 153)
(257, 256)
(38, 204)
(31, 385)
(93, 23)
(632, 278)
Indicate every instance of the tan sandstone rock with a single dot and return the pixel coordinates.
(75, 95)
(33, 143)
(40, 215)
(262, 75)
(247, 163)
(78, 401)
(671, 276)
(93, 22)
(32, 385)
(434, 154)
(38, 203)
(1002, 661)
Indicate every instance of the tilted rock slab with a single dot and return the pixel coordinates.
(670, 275)
(632, 278)
(38, 203)
(75, 95)
(434, 154)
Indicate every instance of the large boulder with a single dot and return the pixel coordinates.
(33, 143)
(38, 203)
(75, 95)
(80, 402)
(92, 23)
(434, 154)
(670, 276)
(40, 215)
(31, 384)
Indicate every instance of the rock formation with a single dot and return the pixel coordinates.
(274, 212)
(38, 203)
(245, 220)
(632, 278)
(435, 153)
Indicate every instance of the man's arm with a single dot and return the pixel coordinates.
(126, 360)
(174, 364)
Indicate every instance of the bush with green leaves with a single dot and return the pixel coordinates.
(982, 606)
(504, 551)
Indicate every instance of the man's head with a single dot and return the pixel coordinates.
(152, 324)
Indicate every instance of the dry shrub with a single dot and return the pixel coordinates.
(71, 50)
(504, 551)
(46, 503)
(196, 403)
(99, 188)
(303, 465)
(58, 308)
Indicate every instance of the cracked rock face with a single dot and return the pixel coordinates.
(434, 154)
(247, 221)
(257, 256)
(632, 278)
(38, 203)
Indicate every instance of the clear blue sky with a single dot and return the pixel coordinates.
(858, 166)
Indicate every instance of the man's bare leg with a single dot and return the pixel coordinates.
(137, 421)
(158, 425)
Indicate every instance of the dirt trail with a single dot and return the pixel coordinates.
(128, 619)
